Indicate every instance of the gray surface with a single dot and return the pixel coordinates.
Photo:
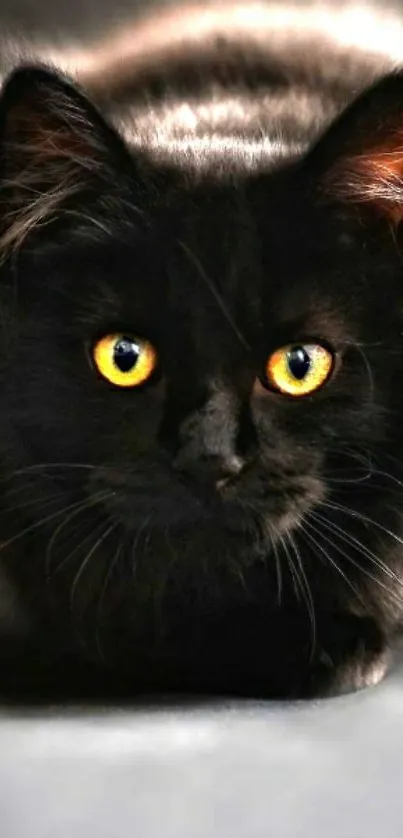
(237, 770)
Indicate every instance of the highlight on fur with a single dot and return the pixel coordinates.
(374, 178)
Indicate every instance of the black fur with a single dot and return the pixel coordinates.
(202, 533)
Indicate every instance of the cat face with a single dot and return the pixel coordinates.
(193, 376)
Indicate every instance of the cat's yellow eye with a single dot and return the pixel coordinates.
(125, 360)
(299, 369)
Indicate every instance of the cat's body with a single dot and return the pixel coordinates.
(213, 526)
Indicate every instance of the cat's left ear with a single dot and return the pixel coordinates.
(359, 161)
(56, 151)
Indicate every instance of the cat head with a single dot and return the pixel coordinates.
(193, 376)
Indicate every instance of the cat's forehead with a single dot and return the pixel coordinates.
(209, 257)
(185, 302)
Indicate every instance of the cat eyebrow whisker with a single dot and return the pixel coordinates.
(217, 296)
(369, 370)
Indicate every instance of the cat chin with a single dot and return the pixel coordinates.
(275, 514)
(224, 520)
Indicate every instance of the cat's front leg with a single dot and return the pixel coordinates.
(352, 653)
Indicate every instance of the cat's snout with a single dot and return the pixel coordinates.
(213, 471)
(233, 467)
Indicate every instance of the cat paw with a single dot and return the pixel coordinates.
(354, 657)
(363, 670)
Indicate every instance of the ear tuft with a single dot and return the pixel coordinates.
(54, 146)
(374, 178)
(361, 155)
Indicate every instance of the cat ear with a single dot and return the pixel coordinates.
(361, 156)
(55, 150)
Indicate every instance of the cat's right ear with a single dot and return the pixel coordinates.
(56, 154)
(358, 163)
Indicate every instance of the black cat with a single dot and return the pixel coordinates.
(201, 454)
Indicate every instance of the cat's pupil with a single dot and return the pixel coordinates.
(298, 362)
(125, 354)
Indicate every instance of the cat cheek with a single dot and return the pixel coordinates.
(138, 428)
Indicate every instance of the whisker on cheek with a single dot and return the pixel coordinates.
(141, 530)
(306, 592)
(102, 597)
(392, 594)
(278, 569)
(356, 544)
(88, 536)
(98, 543)
(94, 500)
(317, 546)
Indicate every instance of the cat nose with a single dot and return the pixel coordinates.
(215, 471)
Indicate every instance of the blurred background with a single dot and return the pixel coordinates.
(82, 19)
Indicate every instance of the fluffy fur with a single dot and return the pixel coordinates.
(202, 532)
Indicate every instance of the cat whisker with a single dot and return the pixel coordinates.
(162, 583)
(101, 601)
(147, 540)
(389, 476)
(381, 471)
(217, 296)
(238, 571)
(45, 466)
(373, 472)
(367, 364)
(19, 490)
(319, 547)
(142, 528)
(83, 540)
(91, 220)
(345, 481)
(363, 518)
(278, 570)
(363, 456)
(33, 502)
(368, 459)
(37, 524)
(357, 545)
(85, 533)
(391, 593)
(86, 561)
(292, 568)
(306, 592)
(99, 497)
